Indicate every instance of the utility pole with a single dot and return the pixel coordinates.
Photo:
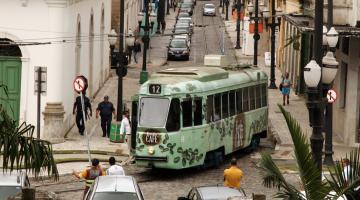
(272, 59)
(238, 9)
(121, 63)
(256, 30)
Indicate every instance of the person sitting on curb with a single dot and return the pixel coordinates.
(114, 169)
(90, 174)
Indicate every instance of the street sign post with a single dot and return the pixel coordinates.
(40, 88)
(80, 87)
(331, 96)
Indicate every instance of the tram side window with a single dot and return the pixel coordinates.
(245, 99)
(252, 97)
(186, 106)
(173, 121)
(239, 97)
(232, 103)
(198, 112)
(263, 95)
(225, 105)
(217, 105)
(258, 96)
(210, 108)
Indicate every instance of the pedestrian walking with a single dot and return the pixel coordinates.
(114, 169)
(126, 130)
(233, 175)
(77, 109)
(285, 88)
(137, 48)
(106, 110)
(174, 4)
(163, 26)
(90, 174)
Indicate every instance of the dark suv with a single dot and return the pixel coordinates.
(178, 49)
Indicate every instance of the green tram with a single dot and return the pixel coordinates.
(193, 116)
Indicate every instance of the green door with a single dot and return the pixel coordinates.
(10, 75)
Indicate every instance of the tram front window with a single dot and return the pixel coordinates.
(153, 112)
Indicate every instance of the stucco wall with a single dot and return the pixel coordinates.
(40, 21)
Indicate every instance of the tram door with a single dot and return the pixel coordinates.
(134, 111)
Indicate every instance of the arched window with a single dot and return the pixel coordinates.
(78, 47)
(91, 53)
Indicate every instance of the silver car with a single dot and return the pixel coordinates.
(209, 9)
(12, 184)
(214, 192)
(114, 187)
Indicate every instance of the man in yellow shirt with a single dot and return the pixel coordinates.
(233, 175)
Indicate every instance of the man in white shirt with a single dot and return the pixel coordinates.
(114, 169)
(126, 129)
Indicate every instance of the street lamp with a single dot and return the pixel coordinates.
(313, 73)
(146, 37)
(330, 67)
(129, 41)
(256, 29)
(238, 10)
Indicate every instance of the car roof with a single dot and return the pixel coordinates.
(118, 183)
(209, 4)
(218, 192)
(11, 179)
(185, 18)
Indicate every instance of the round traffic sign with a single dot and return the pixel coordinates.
(79, 84)
(331, 96)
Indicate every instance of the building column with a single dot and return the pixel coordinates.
(53, 113)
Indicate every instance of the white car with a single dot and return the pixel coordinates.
(114, 187)
(209, 9)
(11, 184)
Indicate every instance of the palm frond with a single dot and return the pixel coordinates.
(310, 175)
(22, 151)
(274, 178)
(338, 175)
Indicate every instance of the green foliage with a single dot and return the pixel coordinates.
(20, 150)
(309, 173)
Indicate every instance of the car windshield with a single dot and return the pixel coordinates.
(181, 30)
(8, 191)
(182, 25)
(153, 112)
(178, 43)
(209, 6)
(186, 5)
(115, 195)
(184, 14)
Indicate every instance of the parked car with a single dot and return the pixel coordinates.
(183, 14)
(187, 19)
(183, 26)
(186, 7)
(213, 192)
(12, 184)
(189, 1)
(182, 30)
(184, 23)
(178, 49)
(184, 37)
(209, 10)
(114, 187)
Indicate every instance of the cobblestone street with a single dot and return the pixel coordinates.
(168, 184)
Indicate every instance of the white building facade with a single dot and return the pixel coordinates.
(69, 38)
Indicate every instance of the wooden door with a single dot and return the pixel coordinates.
(10, 75)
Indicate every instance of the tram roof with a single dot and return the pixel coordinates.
(200, 79)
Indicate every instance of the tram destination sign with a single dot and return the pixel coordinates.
(155, 89)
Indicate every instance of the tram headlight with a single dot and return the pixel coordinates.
(151, 150)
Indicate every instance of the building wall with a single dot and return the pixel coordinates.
(56, 22)
(347, 84)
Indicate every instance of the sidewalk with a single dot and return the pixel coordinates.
(297, 106)
(101, 147)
